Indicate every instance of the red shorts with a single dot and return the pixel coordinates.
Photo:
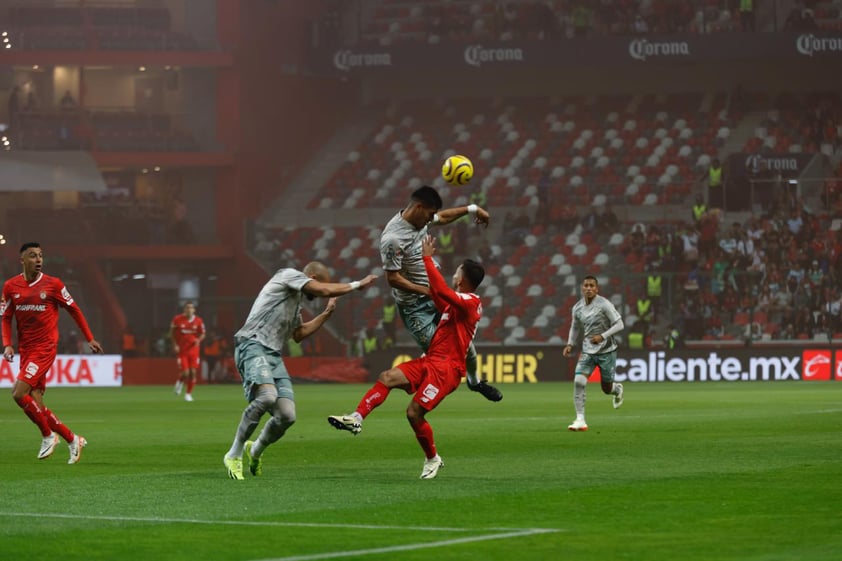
(189, 359)
(432, 381)
(34, 367)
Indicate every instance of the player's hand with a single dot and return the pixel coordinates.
(597, 339)
(482, 217)
(367, 280)
(568, 350)
(9, 353)
(331, 305)
(95, 347)
(428, 246)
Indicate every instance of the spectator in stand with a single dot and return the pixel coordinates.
(833, 308)
(804, 323)
(715, 179)
(690, 245)
(699, 210)
(816, 275)
(706, 234)
(730, 302)
(640, 26)
(67, 101)
(747, 15)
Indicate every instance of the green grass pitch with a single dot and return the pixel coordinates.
(742, 472)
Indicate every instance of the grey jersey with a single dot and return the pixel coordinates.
(400, 250)
(276, 311)
(593, 319)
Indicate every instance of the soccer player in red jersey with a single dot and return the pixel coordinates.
(187, 330)
(33, 299)
(437, 373)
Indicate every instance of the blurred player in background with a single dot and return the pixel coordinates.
(33, 299)
(439, 372)
(595, 321)
(275, 316)
(187, 330)
(400, 251)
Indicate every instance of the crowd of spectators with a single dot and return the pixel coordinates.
(397, 21)
(778, 275)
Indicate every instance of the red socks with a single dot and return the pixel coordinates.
(373, 399)
(35, 413)
(424, 435)
(58, 426)
(190, 383)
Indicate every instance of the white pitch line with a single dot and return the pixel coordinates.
(158, 520)
(412, 546)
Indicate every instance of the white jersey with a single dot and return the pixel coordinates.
(400, 250)
(276, 311)
(593, 319)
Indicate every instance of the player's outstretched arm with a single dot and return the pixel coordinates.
(479, 214)
(332, 289)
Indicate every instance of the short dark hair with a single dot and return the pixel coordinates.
(473, 271)
(427, 196)
(591, 277)
(29, 245)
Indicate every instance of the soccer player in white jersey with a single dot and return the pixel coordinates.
(400, 251)
(275, 316)
(595, 322)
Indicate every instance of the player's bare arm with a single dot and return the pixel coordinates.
(332, 289)
(396, 280)
(448, 215)
(308, 328)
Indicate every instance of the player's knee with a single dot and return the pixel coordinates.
(265, 399)
(607, 387)
(580, 380)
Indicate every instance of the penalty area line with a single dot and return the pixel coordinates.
(415, 546)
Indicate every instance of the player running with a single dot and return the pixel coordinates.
(187, 331)
(595, 321)
(439, 372)
(33, 299)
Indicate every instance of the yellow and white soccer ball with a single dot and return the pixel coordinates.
(457, 170)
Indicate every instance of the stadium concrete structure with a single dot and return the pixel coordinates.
(205, 143)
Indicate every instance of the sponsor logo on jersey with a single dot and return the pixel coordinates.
(32, 308)
(66, 295)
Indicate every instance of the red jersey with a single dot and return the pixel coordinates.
(34, 305)
(187, 331)
(460, 313)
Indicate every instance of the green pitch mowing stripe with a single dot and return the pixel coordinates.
(682, 471)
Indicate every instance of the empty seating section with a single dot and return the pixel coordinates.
(105, 27)
(601, 151)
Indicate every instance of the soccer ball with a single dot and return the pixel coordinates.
(457, 170)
